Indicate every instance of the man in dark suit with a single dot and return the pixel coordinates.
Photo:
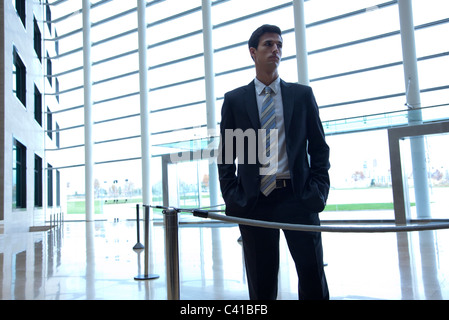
(299, 185)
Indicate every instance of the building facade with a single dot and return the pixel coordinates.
(28, 183)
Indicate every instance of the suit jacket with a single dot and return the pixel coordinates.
(307, 151)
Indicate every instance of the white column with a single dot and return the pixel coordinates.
(410, 61)
(88, 122)
(144, 108)
(414, 103)
(210, 94)
(301, 44)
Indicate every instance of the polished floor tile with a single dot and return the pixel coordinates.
(87, 261)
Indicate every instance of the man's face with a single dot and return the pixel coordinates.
(269, 51)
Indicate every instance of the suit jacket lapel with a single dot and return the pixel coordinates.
(288, 103)
(251, 105)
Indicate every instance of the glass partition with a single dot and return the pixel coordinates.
(360, 177)
(355, 68)
(437, 167)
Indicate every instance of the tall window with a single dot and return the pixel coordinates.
(56, 79)
(21, 10)
(57, 134)
(355, 69)
(19, 77)
(57, 89)
(37, 181)
(56, 43)
(49, 70)
(38, 105)
(49, 185)
(37, 40)
(49, 123)
(47, 15)
(58, 188)
(19, 175)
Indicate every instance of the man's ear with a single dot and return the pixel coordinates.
(252, 52)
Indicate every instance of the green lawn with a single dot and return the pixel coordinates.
(360, 206)
(77, 207)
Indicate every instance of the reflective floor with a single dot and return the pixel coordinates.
(79, 261)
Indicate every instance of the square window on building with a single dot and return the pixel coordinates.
(19, 77)
(19, 175)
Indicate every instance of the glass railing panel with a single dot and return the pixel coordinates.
(432, 148)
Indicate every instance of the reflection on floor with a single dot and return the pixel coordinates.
(79, 260)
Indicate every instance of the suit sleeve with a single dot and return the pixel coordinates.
(226, 158)
(318, 150)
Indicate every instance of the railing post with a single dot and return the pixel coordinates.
(146, 275)
(171, 253)
(138, 245)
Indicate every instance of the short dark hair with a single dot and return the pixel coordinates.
(253, 41)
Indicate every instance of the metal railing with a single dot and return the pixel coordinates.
(171, 226)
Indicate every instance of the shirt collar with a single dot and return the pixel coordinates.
(275, 86)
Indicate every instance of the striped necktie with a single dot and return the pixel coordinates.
(268, 122)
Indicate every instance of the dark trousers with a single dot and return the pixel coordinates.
(261, 249)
